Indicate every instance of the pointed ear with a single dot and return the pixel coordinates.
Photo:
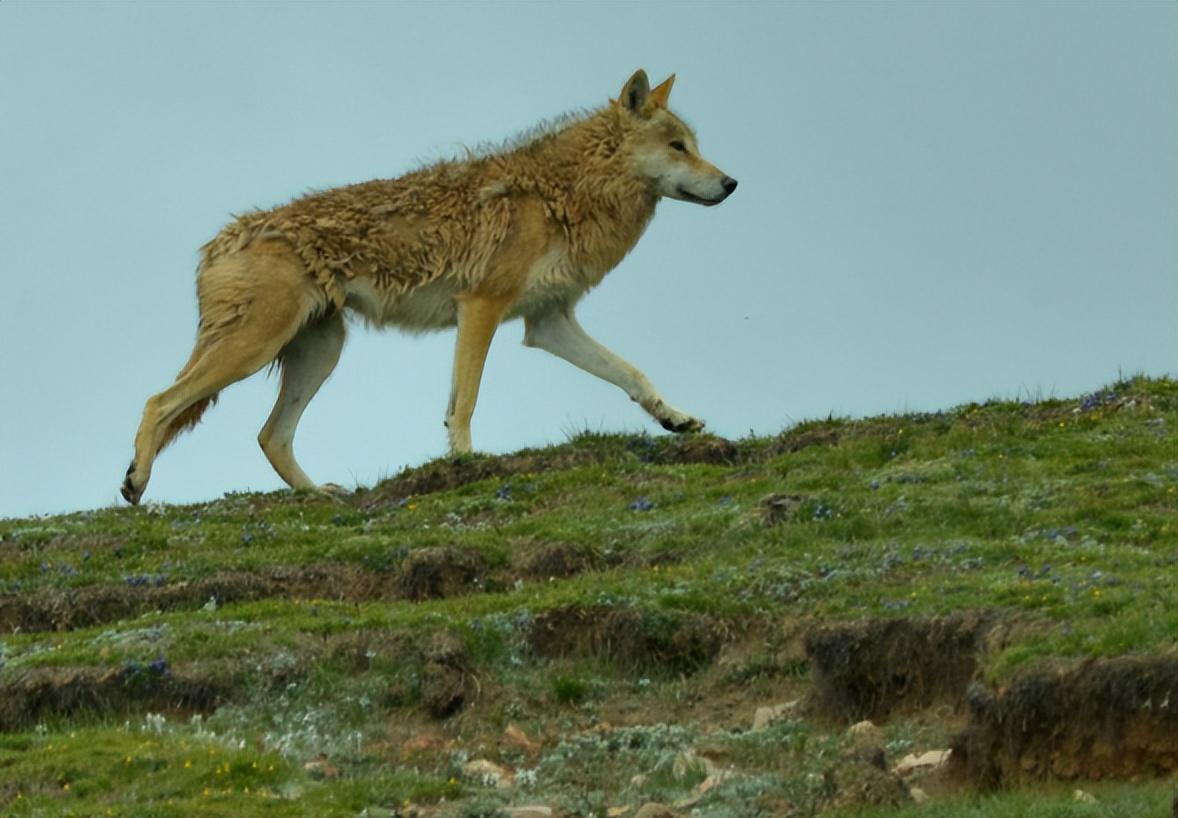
(635, 92)
(658, 96)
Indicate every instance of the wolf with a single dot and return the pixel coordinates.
(523, 231)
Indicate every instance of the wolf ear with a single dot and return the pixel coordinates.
(658, 96)
(635, 92)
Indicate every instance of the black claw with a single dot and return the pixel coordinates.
(666, 424)
(129, 493)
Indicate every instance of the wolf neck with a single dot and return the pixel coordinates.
(583, 175)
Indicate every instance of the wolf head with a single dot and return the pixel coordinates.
(663, 150)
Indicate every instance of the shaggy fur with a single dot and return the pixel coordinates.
(523, 231)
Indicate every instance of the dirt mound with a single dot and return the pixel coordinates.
(432, 573)
(92, 605)
(1108, 718)
(556, 560)
(670, 641)
(443, 678)
(426, 573)
(445, 474)
(28, 697)
(799, 438)
(868, 670)
(696, 449)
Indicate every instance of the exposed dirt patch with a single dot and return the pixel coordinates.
(426, 573)
(1108, 718)
(675, 642)
(868, 670)
(432, 573)
(556, 560)
(28, 697)
(47, 610)
(445, 474)
(444, 676)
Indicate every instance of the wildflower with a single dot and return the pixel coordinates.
(188, 764)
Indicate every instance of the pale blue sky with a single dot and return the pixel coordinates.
(939, 202)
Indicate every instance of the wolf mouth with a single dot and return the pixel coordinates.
(691, 197)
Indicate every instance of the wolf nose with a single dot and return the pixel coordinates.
(729, 184)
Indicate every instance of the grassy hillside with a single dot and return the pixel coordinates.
(591, 627)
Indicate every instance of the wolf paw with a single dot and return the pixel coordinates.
(680, 423)
(131, 493)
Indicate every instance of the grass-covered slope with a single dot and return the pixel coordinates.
(601, 620)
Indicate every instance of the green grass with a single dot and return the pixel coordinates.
(1056, 517)
(154, 768)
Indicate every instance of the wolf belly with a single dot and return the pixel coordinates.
(428, 307)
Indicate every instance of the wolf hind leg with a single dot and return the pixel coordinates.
(252, 305)
(306, 363)
(559, 332)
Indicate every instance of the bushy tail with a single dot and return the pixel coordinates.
(187, 419)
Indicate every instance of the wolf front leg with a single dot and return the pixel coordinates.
(478, 318)
(558, 332)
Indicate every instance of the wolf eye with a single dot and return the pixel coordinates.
(679, 146)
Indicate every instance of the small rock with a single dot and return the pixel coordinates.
(861, 727)
(638, 780)
(489, 773)
(918, 795)
(764, 716)
(655, 810)
(927, 762)
(778, 508)
(529, 811)
(320, 767)
(1081, 797)
(516, 739)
